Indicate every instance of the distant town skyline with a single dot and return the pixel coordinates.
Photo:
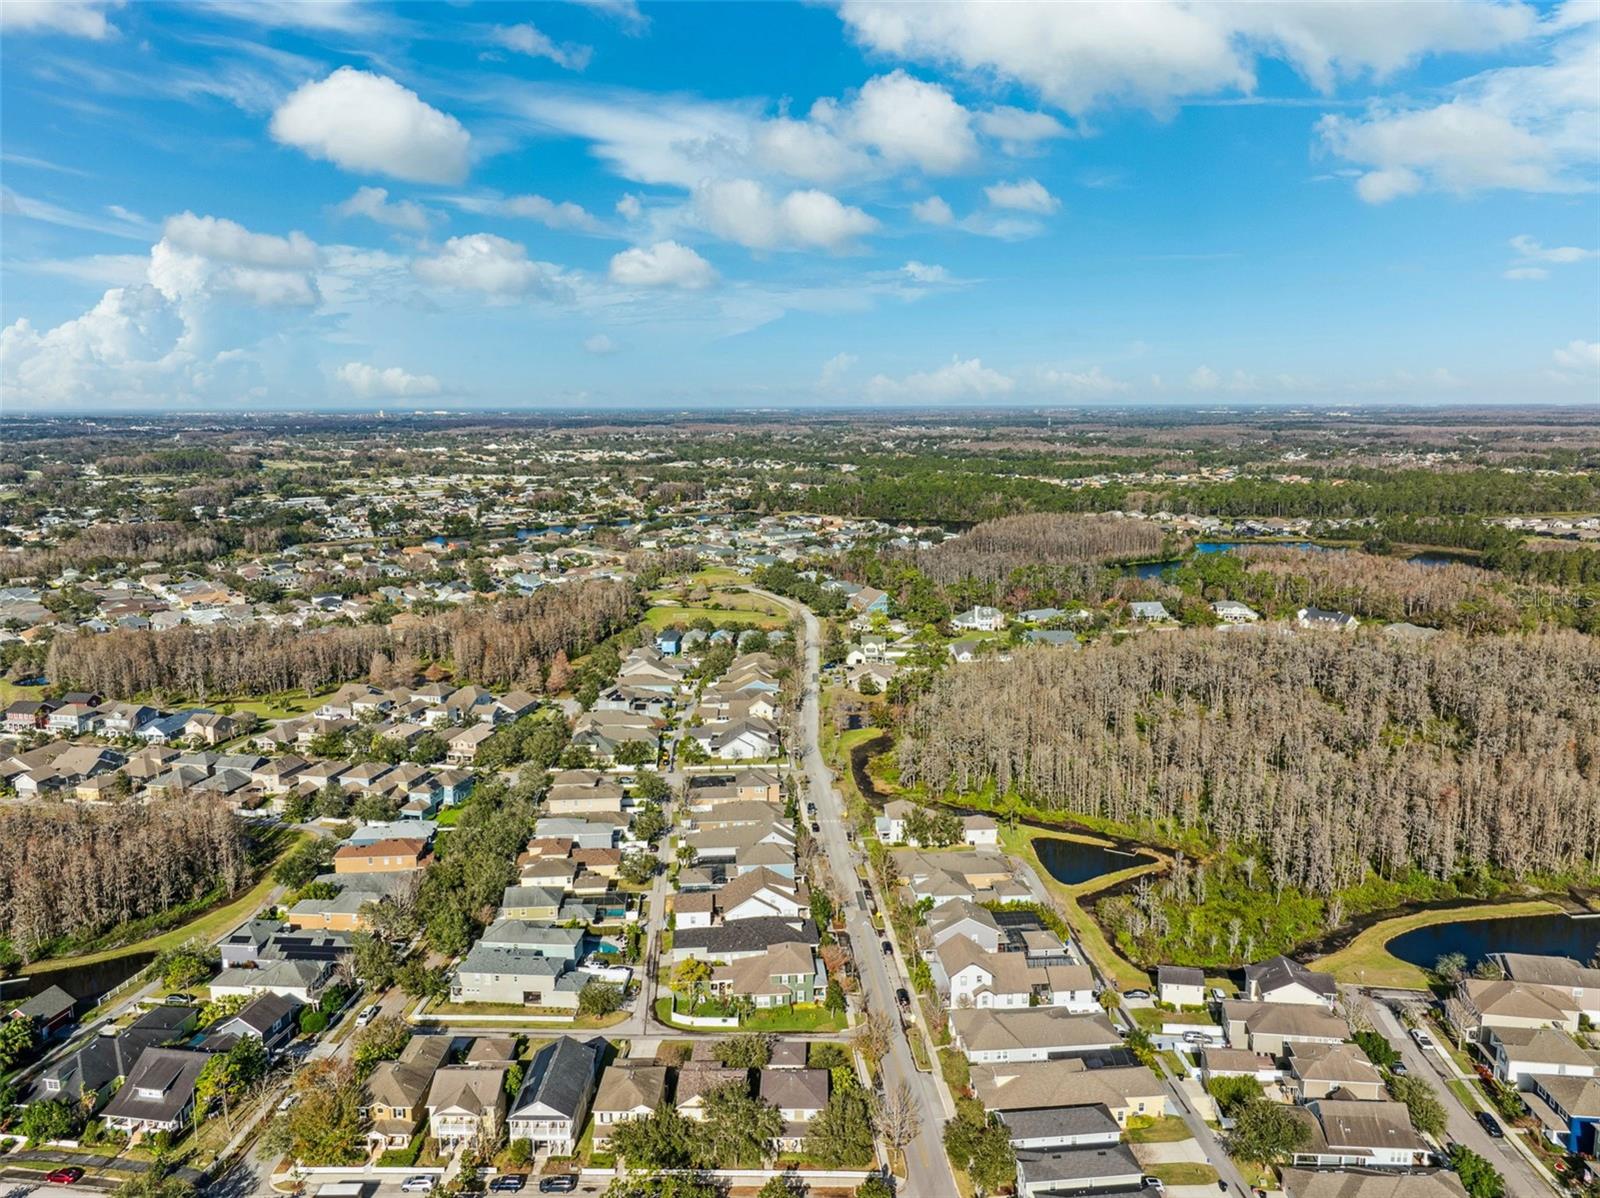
(325, 205)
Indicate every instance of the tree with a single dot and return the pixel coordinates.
(648, 822)
(155, 1184)
(634, 752)
(752, 1051)
(428, 748)
(186, 965)
(637, 868)
(305, 862)
(738, 1130)
(312, 1021)
(1264, 1131)
(1378, 1049)
(821, 909)
(381, 1040)
(650, 787)
(650, 1184)
(899, 1121)
(1232, 1092)
(222, 1008)
(375, 959)
(661, 1140)
(53, 1120)
(689, 977)
(980, 1143)
(834, 999)
(873, 1036)
(782, 1186)
(1450, 967)
(325, 1126)
(16, 1042)
(1478, 1177)
(599, 999)
(1422, 1104)
(227, 1075)
(841, 1136)
(418, 981)
(874, 1187)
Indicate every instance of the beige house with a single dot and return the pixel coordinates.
(1125, 1091)
(397, 1091)
(466, 1103)
(627, 1092)
(1320, 1070)
(1270, 1027)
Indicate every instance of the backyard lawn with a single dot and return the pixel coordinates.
(1168, 1129)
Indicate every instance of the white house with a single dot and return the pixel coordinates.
(980, 619)
(1180, 986)
(1231, 611)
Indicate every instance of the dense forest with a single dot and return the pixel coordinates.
(502, 644)
(69, 872)
(995, 549)
(1325, 758)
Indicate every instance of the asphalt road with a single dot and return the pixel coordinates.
(1461, 1126)
(928, 1170)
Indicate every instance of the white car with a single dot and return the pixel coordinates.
(420, 1184)
(368, 1014)
(1424, 1041)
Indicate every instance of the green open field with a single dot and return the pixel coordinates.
(1366, 960)
(762, 616)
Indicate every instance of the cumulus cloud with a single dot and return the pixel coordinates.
(908, 121)
(228, 241)
(374, 204)
(486, 263)
(1088, 55)
(933, 211)
(371, 382)
(1523, 128)
(923, 272)
(834, 370)
(957, 382)
(1023, 195)
(744, 211)
(599, 345)
(527, 39)
(370, 124)
(1018, 129)
(74, 18)
(1579, 355)
(1203, 378)
(1093, 381)
(1530, 250)
(664, 264)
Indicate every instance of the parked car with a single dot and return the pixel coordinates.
(508, 1183)
(1154, 1183)
(888, 949)
(288, 1101)
(64, 1177)
(1399, 1069)
(815, 827)
(1491, 1125)
(1136, 994)
(368, 1014)
(901, 997)
(561, 1183)
(421, 1183)
(178, 999)
(1196, 1038)
(1424, 1041)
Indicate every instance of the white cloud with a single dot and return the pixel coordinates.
(908, 121)
(107, 270)
(1526, 273)
(1523, 128)
(371, 382)
(527, 39)
(1087, 55)
(834, 370)
(804, 150)
(563, 214)
(1203, 378)
(1093, 381)
(1018, 129)
(484, 262)
(630, 207)
(1579, 355)
(74, 18)
(123, 224)
(369, 123)
(223, 240)
(625, 12)
(665, 264)
(1530, 250)
(317, 16)
(1022, 195)
(933, 211)
(953, 383)
(599, 345)
(374, 204)
(923, 272)
(744, 211)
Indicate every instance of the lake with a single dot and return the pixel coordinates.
(1157, 569)
(1551, 935)
(1435, 557)
(1074, 861)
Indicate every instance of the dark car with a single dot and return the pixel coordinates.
(508, 1183)
(1399, 1069)
(1491, 1125)
(901, 997)
(561, 1183)
(64, 1177)
(815, 827)
(888, 949)
(1136, 994)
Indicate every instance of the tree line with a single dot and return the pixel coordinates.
(71, 873)
(995, 549)
(501, 644)
(1328, 757)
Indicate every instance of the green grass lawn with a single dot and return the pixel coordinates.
(1185, 1173)
(1366, 960)
(664, 616)
(956, 1069)
(1168, 1129)
(799, 1018)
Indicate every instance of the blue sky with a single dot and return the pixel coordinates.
(317, 204)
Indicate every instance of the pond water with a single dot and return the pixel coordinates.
(1156, 569)
(1073, 861)
(1553, 935)
(1435, 557)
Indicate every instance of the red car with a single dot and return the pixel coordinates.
(64, 1177)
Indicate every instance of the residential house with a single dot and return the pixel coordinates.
(269, 1018)
(397, 1091)
(1150, 612)
(781, 976)
(1078, 1171)
(1180, 986)
(977, 978)
(384, 856)
(1048, 1128)
(1582, 982)
(979, 619)
(697, 1080)
(961, 917)
(1325, 621)
(466, 1103)
(800, 1096)
(301, 980)
(1231, 611)
(989, 1036)
(1345, 1183)
(1328, 1070)
(1270, 1027)
(741, 939)
(627, 1092)
(1282, 980)
(462, 745)
(50, 1012)
(1343, 1133)
(550, 1109)
(1519, 1053)
(1481, 1003)
(1124, 1091)
(1568, 1108)
(158, 1094)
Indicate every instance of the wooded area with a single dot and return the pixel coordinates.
(1324, 755)
(990, 552)
(508, 643)
(69, 871)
